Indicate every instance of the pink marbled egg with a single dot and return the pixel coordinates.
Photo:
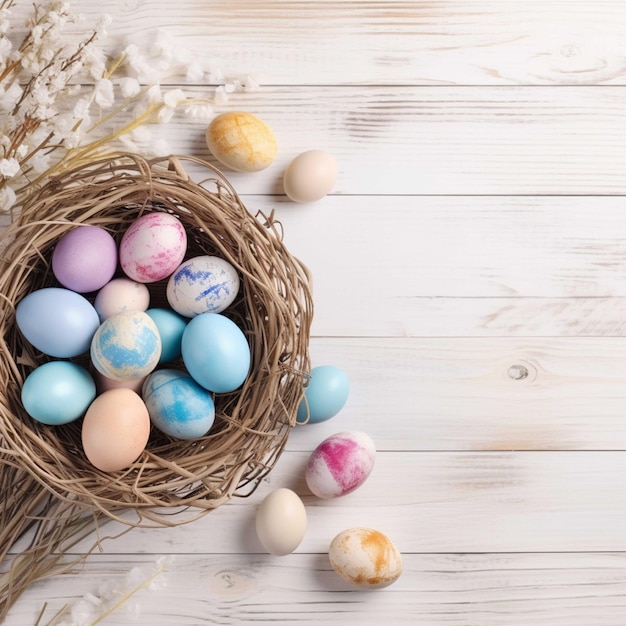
(153, 247)
(340, 464)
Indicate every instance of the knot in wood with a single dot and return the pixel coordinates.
(518, 372)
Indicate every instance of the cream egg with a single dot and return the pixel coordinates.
(365, 558)
(310, 176)
(241, 141)
(281, 522)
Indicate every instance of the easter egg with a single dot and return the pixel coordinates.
(121, 294)
(126, 346)
(365, 558)
(85, 258)
(57, 321)
(202, 284)
(325, 394)
(281, 522)
(215, 352)
(340, 464)
(115, 430)
(241, 141)
(177, 405)
(58, 392)
(310, 176)
(153, 247)
(171, 327)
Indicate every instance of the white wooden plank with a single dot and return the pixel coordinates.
(422, 266)
(438, 590)
(478, 394)
(491, 42)
(442, 141)
(428, 502)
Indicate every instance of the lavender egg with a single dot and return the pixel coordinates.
(85, 259)
(340, 464)
(202, 284)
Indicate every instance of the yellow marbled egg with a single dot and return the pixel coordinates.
(241, 141)
(365, 558)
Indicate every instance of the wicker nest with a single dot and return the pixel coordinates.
(273, 309)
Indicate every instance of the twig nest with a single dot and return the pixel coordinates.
(241, 141)
(272, 311)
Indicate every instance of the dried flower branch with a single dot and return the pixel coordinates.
(62, 104)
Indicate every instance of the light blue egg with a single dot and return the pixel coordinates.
(58, 392)
(171, 327)
(215, 352)
(325, 395)
(57, 321)
(126, 346)
(177, 404)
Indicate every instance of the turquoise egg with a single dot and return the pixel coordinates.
(177, 404)
(215, 352)
(57, 321)
(171, 327)
(126, 346)
(325, 395)
(58, 392)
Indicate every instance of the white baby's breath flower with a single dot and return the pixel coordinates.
(9, 167)
(165, 115)
(104, 96)
(174, 97)
(10, 97)
(194, 72)
(199, 111)
(7, 198)
(129, 87)
(5, 48)
(154, 94)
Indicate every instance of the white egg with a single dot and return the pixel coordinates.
(310, 176)
(365, 558)
(281, 522)
(202, 284)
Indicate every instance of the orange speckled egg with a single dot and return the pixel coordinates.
(365, 558)
(115, 429)
(241, 141)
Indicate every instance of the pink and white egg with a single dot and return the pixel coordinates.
(340, 464)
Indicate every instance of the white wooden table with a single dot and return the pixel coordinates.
(470, 276)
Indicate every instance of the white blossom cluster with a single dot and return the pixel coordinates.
(63, 101)
(115, 595)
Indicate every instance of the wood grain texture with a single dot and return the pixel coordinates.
(437, 140)
(484, 42)
(438, 590)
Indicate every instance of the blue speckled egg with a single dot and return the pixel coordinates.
(58, 392)
(325, 395)
(57, 321)
(216, 352)
(126, 346)
(202, 284)
(177, 404)
(171, 327)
